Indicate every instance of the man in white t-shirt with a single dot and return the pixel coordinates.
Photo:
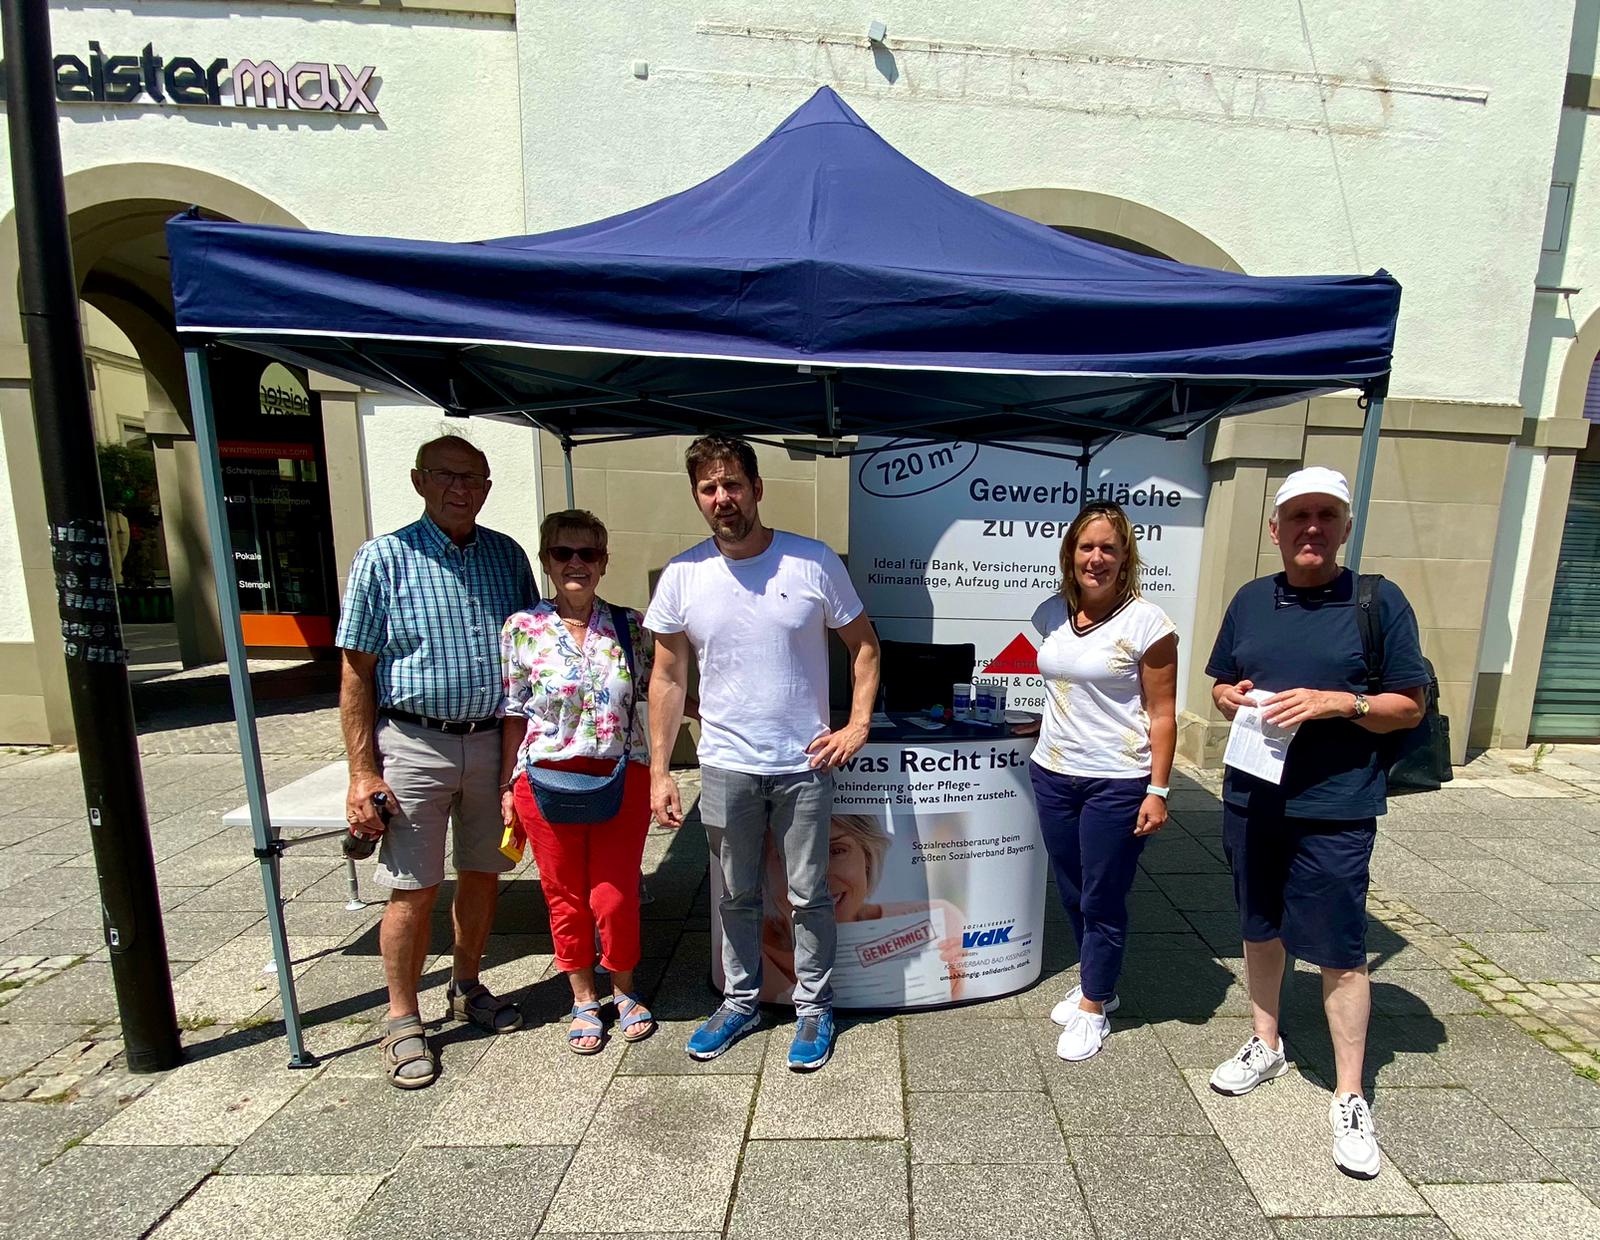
(755, 605)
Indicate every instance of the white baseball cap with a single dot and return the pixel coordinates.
(1313, 480)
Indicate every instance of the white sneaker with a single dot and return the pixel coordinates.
(1355, 1140)
(1083, 1036)
(1062, 1012)
(1255, 1062)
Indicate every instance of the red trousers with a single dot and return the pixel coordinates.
(590, 870)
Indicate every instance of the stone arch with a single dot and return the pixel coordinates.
(1573, 385)
(116, 211)
(1088, 211)
(108, 204)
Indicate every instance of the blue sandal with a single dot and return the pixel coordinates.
(586, 1015)
(631, 1016)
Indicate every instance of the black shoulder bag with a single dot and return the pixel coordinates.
(1418, 760)
(572, 797)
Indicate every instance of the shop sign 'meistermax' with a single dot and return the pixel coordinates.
(150, 79)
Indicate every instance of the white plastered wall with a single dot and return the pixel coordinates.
(392, 430)
(441, 160)
(1424, 146)
(15, 625)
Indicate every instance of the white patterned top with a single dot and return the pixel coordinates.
(575, 701)
(1095, 723)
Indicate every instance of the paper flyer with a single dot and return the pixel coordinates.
(1255, 746)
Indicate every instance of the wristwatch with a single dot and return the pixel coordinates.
(1156, 790)
(1362, 706)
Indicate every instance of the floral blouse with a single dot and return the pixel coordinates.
(575, 701)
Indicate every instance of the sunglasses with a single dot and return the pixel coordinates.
(589, 555)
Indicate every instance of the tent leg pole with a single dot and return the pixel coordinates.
(566, 465)
(1366, 463)
(267, 845)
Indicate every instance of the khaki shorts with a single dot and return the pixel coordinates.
(438, 778)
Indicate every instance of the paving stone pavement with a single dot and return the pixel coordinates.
(1483, 1063)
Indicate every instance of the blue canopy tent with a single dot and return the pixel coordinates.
(820, 288)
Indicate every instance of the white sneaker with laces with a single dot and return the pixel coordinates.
(1062, 1012)
(1255, 1062)
(1083, 1036)
(1355, 1140)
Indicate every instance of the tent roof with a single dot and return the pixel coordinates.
(821, 285)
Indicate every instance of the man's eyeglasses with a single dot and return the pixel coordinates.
(589, 555)
(448, 478)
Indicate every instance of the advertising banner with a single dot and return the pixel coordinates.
(959, 543)
(937, 875)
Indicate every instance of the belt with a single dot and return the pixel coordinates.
(452, 727)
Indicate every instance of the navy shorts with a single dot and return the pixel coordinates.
(1302, 880)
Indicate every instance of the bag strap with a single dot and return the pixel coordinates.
(1368, 622)
(619, 621)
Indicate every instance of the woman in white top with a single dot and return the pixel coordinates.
(1104, 757)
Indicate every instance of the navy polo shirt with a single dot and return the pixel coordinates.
(1279, 637)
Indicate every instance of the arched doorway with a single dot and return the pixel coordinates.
(117, 216)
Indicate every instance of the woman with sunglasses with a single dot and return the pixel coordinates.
(1104, 758)
(569, 696)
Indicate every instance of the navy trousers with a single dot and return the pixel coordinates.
(1087, 826)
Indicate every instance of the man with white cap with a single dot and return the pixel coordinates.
(1301, 849)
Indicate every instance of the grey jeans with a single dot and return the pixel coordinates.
(738, 811)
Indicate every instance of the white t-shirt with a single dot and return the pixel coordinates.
(760, 630)
(1094, 722)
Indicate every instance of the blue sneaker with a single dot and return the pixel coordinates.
(813, 1043)
(726, 1026)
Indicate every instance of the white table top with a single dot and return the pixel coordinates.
(314, 800)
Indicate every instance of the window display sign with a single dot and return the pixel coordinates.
(275, 485)
(282, 394)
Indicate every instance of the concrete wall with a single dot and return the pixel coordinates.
(391, 430)
(117, 380)
(15, 625)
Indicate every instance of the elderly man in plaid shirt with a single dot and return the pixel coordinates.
(419, 692)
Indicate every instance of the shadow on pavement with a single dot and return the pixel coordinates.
(189, 700)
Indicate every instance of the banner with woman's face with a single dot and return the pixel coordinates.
(937, 876)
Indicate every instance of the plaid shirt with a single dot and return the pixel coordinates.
(432, 612)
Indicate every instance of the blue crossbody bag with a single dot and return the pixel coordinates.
(571, 797)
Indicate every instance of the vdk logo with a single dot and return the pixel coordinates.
(992, 937)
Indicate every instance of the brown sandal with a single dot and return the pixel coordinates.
(394, 1060)
(478, 1005)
